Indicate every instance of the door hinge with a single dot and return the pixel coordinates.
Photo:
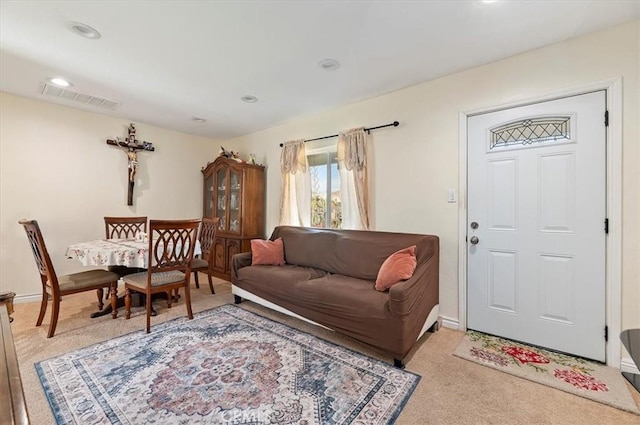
(606, 118)
(606, 333)
(606, 225)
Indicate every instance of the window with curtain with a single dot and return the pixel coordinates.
(325, 185)
(326, 202)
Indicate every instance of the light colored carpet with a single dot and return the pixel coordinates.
(567, 373)
(451, 391)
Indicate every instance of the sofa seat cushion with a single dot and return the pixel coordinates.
(274, 278)
(343, 296)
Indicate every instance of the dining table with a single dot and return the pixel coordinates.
(133, 253)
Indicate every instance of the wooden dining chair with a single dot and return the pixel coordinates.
(171, 246)
(204, 263)
(55, 286)
(124, 228)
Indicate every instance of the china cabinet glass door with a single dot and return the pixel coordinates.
(234, 201)
(221, 198)
(208, 199)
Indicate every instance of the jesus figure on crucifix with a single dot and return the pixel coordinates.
(131, 146)
(133, 163)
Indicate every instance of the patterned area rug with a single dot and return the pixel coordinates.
(226, 366)
(571, 374)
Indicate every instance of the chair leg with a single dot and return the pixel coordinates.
(187, 300)
(114, 301)
(43, 308)
(127, 303)
(100, 293)
(148, 312)
(195, 276)
(54, 316)
(169, 299)
(211, 284)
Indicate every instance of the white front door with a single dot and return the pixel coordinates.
(535, 225)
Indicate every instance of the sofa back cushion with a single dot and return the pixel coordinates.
(355, 253)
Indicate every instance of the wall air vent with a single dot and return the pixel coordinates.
(87, 99)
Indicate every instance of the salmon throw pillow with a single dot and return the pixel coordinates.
(399, 266)
(267, 253)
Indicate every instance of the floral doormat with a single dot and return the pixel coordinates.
(226, 366)
(571, 374)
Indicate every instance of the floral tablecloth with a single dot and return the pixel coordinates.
(114, 252)
(111, 252)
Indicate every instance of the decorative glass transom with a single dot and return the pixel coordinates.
(530, 130)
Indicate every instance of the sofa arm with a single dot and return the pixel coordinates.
(239, 261)
(416, 296)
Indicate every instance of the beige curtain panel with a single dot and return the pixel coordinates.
(295, 200)
(354, 180)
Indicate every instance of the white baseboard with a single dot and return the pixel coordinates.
(627, 365)
(27, 298)
(450, 323)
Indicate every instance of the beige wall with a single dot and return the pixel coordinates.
(56, 167)
(416, 163)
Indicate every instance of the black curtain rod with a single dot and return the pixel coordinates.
(393, 124)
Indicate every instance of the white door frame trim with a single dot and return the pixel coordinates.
(613, 263)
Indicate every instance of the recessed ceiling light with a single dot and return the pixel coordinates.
(249, 99)
(84, 30)
(60, 82)
(198, 120)
(329, 64)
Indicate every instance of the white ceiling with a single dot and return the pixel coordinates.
(166, 62)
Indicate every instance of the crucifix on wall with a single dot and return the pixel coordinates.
(131, 146)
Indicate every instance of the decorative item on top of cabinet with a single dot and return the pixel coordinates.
(235, 192)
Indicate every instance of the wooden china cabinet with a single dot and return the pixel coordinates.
(234, 192)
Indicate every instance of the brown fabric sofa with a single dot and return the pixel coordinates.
(329, 280)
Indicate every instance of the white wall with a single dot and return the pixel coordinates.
(56, 167)
(415, 164)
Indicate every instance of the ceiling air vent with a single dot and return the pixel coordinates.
(69, 94)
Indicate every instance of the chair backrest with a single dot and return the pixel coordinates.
(207, 236)
(41, 255)
(124, 227)
(171, 245)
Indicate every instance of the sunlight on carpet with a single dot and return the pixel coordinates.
(574, 375)
(227, 365)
